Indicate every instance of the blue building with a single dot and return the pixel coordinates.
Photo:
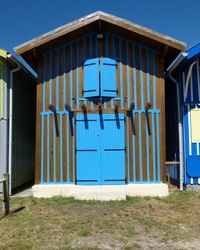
(185, 74)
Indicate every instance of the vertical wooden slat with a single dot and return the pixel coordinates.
(48, 148)
(77, 74)
(58, 148)
(141, 78)
(121, 73)
(68, 147)
(68, 75)
(155, 152)
(44, 84)
(45, 150)
(137, 66)
(130, 68)
(154, 81)
(144, 78)
(130, 134)
(81, 61)
(64, 149)
(74, 74)
(71, 76)
(64, 76)
(148, 76)
(134, 77)
(38, 123)
(61, 79)
(47, 101)
(151, 76)
(161, 118)
(128, 89)
(70, 150)
(51, 149)
(84, 56)
(57, 81)
(150, 150)
(144, 156)
(112, 48)
(134, 145)
(124, 75)
(53, 77)
(137, 148)
(116, 52)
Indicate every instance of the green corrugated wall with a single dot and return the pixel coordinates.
(23, 147)
(1, 90)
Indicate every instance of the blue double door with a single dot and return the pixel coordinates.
(100, 149)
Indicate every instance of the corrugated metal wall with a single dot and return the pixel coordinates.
(23, 148)
(24, 102)
(2, 66)
(139, 80)
(3, 120)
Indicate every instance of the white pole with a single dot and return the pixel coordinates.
(10, 126)
(180, 133)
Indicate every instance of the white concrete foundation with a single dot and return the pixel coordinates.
(108, 192)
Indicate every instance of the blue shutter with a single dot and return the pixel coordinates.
(108, 77)
(91, 78)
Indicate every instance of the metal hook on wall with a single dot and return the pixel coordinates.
(147, 107)
(53, 109)
(67, 107)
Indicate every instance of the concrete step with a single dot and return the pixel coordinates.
(107, 192)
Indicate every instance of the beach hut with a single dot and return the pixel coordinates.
(184, 72)
(100, 108)
(17, 121)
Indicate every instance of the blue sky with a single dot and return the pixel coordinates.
(23, 20)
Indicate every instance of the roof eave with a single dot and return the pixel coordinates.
(122, 23)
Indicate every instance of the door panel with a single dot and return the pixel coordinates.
(113, 149)
(100, 149)
(88, 150)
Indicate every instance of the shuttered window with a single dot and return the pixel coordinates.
(91, 78)
(108, 77)
(100, 78)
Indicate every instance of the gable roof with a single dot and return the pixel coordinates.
(55, 34)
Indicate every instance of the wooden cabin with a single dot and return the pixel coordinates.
(17, 121)
(185, 72)
(100, 106)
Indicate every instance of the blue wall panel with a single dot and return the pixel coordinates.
(190, 100)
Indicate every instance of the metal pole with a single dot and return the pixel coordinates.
(6, 205)
(180, 132)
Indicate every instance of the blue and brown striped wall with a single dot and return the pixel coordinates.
(139, 80)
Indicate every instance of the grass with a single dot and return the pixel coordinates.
(137, 223)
